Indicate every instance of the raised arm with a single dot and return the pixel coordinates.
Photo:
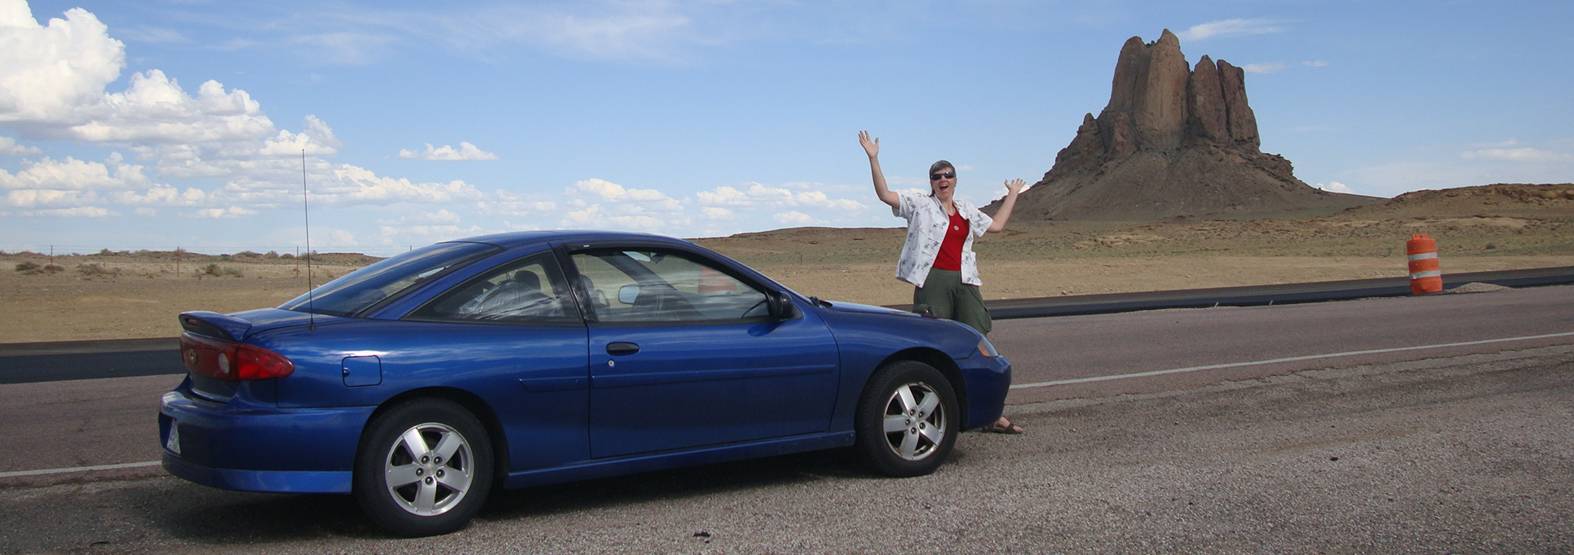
(1004, 213)
(872, 148)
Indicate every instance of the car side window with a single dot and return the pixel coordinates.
(633, 285)
(529, 290)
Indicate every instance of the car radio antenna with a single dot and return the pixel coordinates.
(311, 314)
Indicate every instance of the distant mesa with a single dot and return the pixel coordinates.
(1173, 141)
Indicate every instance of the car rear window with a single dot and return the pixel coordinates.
(358, 290)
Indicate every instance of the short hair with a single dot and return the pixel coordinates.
(941, 164)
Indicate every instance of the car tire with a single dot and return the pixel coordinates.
(906, 434)
(424, 467)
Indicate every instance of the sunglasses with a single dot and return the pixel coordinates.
(939, 176)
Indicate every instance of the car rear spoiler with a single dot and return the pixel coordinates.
(213, 324)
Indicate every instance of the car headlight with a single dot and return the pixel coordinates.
(986, 348)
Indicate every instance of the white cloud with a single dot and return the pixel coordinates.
(718, 214)
(723, 196)
(317, 139)
(612, 191)
(1334, 187)
(758, 195)
(423, 228)
(271, 183)
(594, 217)
(354, 184)
(1230, 27)
(1516, 154)
(77, 212)
(509, 203)
(9, 147)
(466, 151)
(442, 216)
(155, 108)
(161, 194)
(1269, 67)
(794, 217)
(224, 213)
(73, 174)
(36, 81)
(49, 198)
(1314, 63)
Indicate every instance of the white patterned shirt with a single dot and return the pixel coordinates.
(926, 227)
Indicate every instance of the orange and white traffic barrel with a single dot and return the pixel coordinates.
(1426, 276)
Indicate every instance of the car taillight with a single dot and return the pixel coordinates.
(257, 363)
(227, 360)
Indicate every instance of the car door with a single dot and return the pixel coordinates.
(514, 336)
(685, 354)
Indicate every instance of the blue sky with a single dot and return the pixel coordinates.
(156, 124)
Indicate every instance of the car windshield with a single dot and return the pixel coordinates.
(370, 285)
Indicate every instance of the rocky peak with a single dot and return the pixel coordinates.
(1173, 140)
(1165, 101)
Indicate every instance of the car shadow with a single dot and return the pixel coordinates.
(675, 484)
(216, 517)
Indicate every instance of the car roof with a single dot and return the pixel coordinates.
(521, 238)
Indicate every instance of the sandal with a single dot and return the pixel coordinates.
(1010, 428)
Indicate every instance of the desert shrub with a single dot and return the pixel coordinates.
(210, 270)
(29, 267)
(287, 256)
(232, 271)
(53, 268)
(248, 254)
(95, 270)
(271, 255)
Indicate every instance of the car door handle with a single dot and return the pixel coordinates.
(622, 348)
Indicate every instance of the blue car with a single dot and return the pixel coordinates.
(421, 383)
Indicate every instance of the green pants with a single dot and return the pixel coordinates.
(947, 297)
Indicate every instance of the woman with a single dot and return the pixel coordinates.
(937, 257)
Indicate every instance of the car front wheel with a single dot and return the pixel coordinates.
(907, 420)
(424, 468)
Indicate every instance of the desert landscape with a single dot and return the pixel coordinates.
(1165, 189)
(121, 295)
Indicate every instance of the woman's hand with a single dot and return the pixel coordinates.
(871, 145)
(1003, 214)
(872, 148)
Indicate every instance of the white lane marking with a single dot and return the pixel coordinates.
(20, 473)
(1279, 360)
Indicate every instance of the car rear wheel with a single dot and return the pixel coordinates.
(907, 420)
(424, 468)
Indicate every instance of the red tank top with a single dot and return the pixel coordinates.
(950, 256)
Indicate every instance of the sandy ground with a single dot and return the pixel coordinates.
(132, 295)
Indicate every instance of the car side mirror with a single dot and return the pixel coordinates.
(780, 305)
(627, 294)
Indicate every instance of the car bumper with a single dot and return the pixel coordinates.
(245, 446)
(988, 380)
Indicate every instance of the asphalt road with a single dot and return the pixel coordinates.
(1387, 424)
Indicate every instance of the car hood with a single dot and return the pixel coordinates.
(855, 308)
